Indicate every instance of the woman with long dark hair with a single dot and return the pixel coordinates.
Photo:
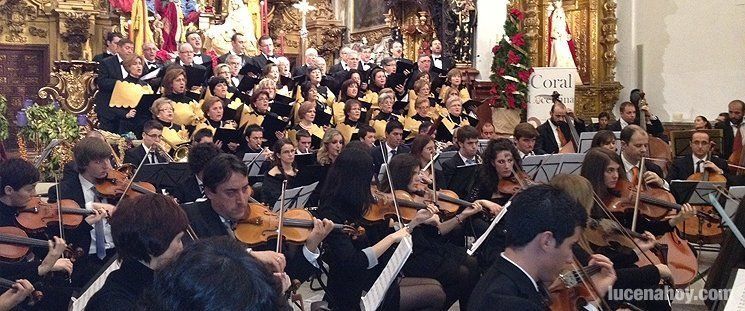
(283, 168)
(435, 257)
(354, 264)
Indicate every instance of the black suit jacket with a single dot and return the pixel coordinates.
(683, 167)
(109, 71)
(447, 62)
(546, 140)
(100, 57)
(300, 71)
(206, 223)
(188, 191)
(123, 288)
(135, 156)
(378, 156)
(447, 179)
(655, 128)
(335, 68)
(506, 286)
(728, 137)
(71, 189)
(206, 62)
(259, 60)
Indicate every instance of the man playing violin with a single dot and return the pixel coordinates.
(227, 189)
(18, 180)
(699, 160)
(634, 146)
(468, 150)
(538, 248)
(94, 234)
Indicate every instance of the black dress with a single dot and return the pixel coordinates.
(123, 287)
(134, 124)
(348, 274)
(272, 187)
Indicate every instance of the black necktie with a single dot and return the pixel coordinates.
(698, 166)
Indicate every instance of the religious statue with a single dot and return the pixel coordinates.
(465, 19)
(174, 14)
(562, 50)
(158, 31)
(239, 20)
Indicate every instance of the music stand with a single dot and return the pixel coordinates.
(482, 145)
(295, 198)
(737, 192)
(585, 141)
(165, 175)
(694, 192)
(736, 285)
(531, 163)
(680, 141)
(381, 173)
(570, 163)
(254, 162)
(444, 157)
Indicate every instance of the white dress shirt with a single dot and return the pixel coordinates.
(90, 196)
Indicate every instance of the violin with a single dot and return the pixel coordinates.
(383, 207)
(606, 232)
(37, 215)
(512, 185)
(261, 224)
(35, 296)
(574, 289)
(15, 244)
(655, 203)
(115, 183)
(447, 200)
(702, 229)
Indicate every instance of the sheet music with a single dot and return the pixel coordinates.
(296, 197)
(78, 304)
(701, 193)
(585, 141)
(374, 297)
(255, 168)
(736, 300)
(738, 192)
(483, 237)
(444, 157)
(482, 145)
(151, 74)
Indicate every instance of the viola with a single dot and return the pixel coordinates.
(261, 224)
(702, 229)
(37, 215)
(15, 244)
(115, 183)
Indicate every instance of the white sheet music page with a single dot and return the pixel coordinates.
(736, 300)
(374, 297)
(483, 237)
(78, 304)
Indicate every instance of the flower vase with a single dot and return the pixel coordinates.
(505, 120)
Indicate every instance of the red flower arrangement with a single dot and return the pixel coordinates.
(511, 68)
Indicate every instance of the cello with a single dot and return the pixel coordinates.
(705, 230)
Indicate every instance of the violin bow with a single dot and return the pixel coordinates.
(640, 177)
(390, 182)
(281, 216)
(132, 179)
(434, 184)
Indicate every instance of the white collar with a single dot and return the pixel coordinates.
(147, 150)
(521, 269)
(234, 53)
(627, 164)
(522, 155)
(390, 148)
(84, 183)
(696, 159)
(624, 124)
(464, 158)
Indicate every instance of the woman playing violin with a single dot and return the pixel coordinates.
(434, 257)
(423, 149)
(18, 180)
(94, 234)
(147, 231)
(602, 168)
(629, 275)
(354, 264)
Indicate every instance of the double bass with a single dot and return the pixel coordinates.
(658, 148)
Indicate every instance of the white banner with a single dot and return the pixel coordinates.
(543, 82)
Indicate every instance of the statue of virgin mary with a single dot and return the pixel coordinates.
(562, 52)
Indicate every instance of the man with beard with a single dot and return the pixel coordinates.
(554, 133)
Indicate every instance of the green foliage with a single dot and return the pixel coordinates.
(511, 68)
(47, 122)
(3, 120)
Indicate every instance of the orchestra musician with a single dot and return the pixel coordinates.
(147, 231)
(192, 188)
(732, 127)
(731, 256)
(221, 258)
(391, 146)
(152, 132)
(94, 234)
(283, 168)
(367, 135)
(537, 249)
(354, 264)
(304, 143)
(525, 137)
(554, 133)
(629, 113)
(629, 275)
(467, 141)
(603, 168)
(434, 256)
(18, 180)
(605, 139)
(227, 190)
(15, 295)
(698, 161)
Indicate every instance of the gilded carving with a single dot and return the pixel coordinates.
(17, 14)
(71, 85)
(76, 33)
(37, 32)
